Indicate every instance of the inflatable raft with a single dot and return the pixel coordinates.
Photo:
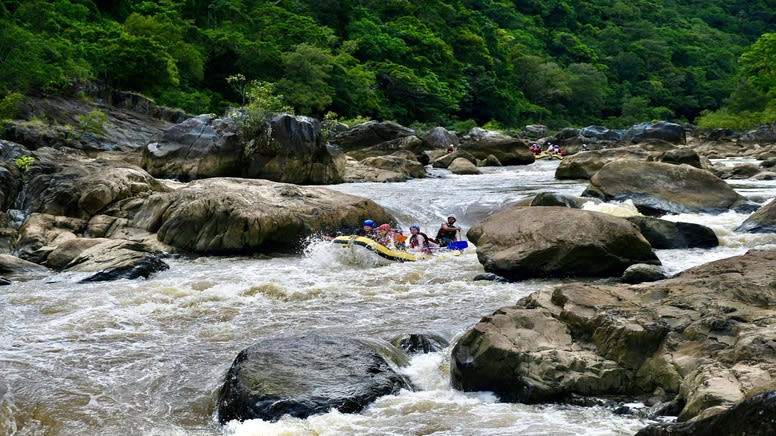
(394, 255)
(545, 155)
(375, 247)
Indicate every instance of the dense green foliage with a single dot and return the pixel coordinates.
(453, 62)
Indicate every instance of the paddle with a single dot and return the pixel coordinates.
(457, 245)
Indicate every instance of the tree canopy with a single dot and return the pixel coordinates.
(558, 62)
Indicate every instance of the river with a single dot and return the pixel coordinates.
(147, 357)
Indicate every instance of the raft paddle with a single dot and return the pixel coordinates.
(457, 245)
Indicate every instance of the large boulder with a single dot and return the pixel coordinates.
(110, 259)
(356, 172)
(702, 339)
(588, 138)
(755, 416)
(402, 145)
(440, 138)
(286, 148)
(526, 242)
(662, 130)
(72, 185)
(406, 165)
(658, 188)
(509, 151)
(668, 234)
(239, 216)
(584, 165)
(463, 166)
(130, 121)
(370, 134)
(306, 375)
(762, 221)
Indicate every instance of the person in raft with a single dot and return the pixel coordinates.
(419, 240)
(448, 232)
(368, 229)
(385, 236)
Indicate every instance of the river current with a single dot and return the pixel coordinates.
(147, 357)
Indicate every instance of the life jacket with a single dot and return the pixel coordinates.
(443, 235)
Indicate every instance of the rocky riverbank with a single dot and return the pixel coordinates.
(112, 200)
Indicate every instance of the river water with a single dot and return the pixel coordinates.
(147, 357)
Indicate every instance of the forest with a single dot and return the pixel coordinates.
(455, 63)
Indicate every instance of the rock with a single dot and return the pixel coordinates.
(509, 151)
(463, 166)
(584, 165)
(132, 121)
(642, 272)
(369, 134)
(305, 375)
(40, 231)
(444, 160)
(657, 188)
(66, 184)
(702, 338)
(239, 216)
(110, 259)
(762, 221)
(286, 148)
(440, 138)
(420, 343)
(755, 416)
(356, 172)
(410, 168)
(745, 171)
(765, 133)
(554, 199)
(528, 356)
(410, 147)
(11, 176)
(667, 234)
(680, 156)
(490, 161)
(14, 265)
(520, 243)
(662, 130)
(535, 130)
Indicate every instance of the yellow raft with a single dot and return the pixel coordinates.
(545, 155)
(377, 248)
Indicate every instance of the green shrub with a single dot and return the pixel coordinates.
(93, 122)
(9, 105)
(24, 163)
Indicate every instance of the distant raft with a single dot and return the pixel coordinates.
(545, 155)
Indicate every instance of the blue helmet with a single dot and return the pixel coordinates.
(415, 226)
(369, 223)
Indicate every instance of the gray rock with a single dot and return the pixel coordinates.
(657, 188)
(642, 272)
(305, 375)
(762, 221)
(526, 242)
(667, 234)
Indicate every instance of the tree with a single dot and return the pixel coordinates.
(306, 80)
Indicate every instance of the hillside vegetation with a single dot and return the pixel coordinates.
(455, 63)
